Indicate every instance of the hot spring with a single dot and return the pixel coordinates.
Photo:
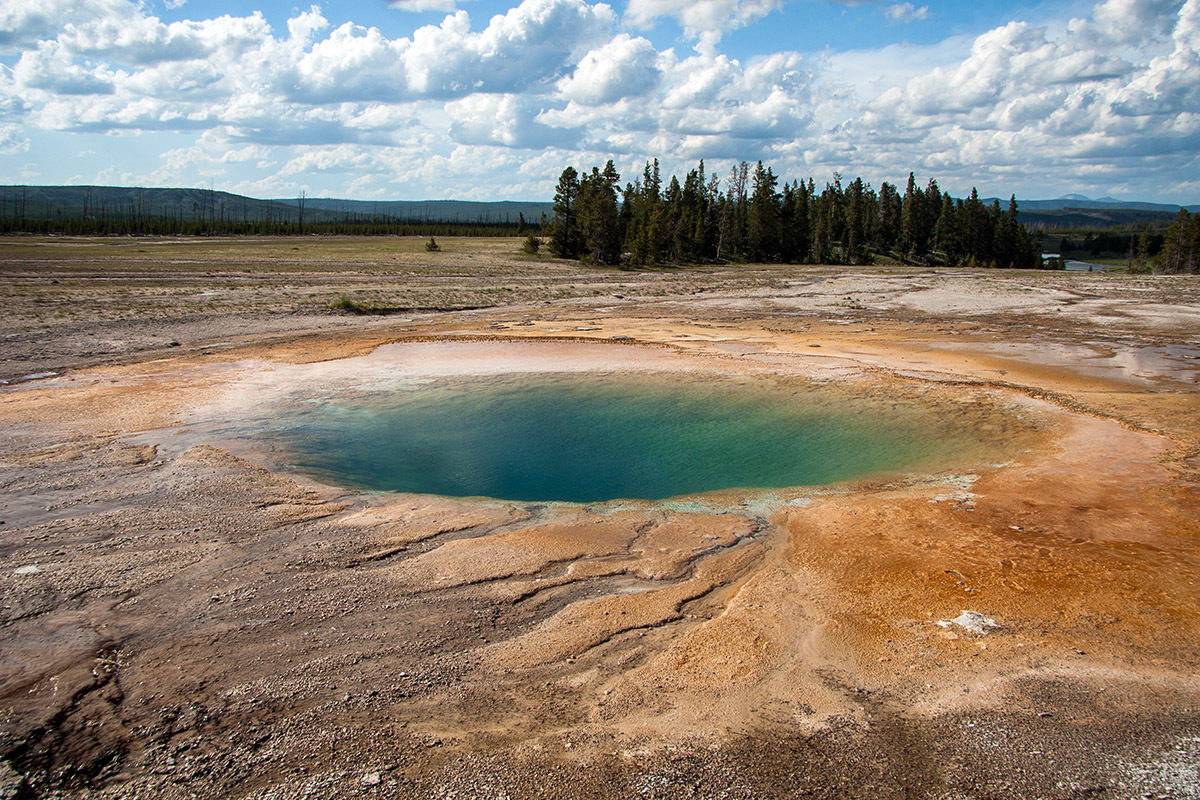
(598, 435)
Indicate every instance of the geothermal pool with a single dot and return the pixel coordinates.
(596, 436)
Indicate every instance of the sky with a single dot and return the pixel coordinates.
(488, 100)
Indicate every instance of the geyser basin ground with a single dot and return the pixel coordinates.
(180, 622)
(654, 427)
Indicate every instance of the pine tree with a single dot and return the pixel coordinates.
(689, 231)
(947, 232)
(643, 236)
(565, 239)
(977, 234)
(670, 214)
(597, 217)
(794, 220)
(712, 218)
(911, 220)
(860, 210)
(887, 229)
(762, 224)
(1180, 251)
(631, 222)
(738, 210)
(1005, 235)
(827, 225)
(1142, 260)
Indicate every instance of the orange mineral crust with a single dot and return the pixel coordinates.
(184, 615)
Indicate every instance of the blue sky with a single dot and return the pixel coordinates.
(478, 99)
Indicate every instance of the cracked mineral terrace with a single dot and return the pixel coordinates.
(181, 617)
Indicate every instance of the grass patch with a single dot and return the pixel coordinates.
(348, 305)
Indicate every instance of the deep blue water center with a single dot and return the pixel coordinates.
(592, 437)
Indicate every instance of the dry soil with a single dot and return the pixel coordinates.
(180, 619)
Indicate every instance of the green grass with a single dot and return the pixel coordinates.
(349, 305)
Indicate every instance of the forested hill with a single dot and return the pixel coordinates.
(1077, 212)
(209, 206)
(1114, 216)
(462, 211)
(1080, 203)
(190, 210)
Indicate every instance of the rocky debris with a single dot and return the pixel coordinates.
(972, 622)
(12, 783)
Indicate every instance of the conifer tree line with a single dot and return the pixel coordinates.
(1180, 252)
(754, 218)
(66, 226)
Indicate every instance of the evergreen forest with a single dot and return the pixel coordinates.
(755, 219)
(1180, 252)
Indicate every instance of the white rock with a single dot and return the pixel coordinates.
(971, 621)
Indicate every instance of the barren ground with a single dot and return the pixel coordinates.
(177, 620)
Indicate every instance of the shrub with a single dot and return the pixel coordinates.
(349, 305)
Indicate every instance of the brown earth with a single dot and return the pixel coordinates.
(179, 620)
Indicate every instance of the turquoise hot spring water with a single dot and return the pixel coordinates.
(595, 437)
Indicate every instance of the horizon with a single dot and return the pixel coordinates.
(550, 201)
(487, 101)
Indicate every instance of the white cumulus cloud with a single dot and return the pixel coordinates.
(1133, 20)
(623, 67)
(12, 139)
(906, 12)
(51, 69)
(506, 120)
(701, 17)
(1027, 102)
(423, 5)
(24, 23)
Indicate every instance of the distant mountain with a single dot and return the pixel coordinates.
(1095, 218)
(431, 210)
(1076, 198)
(208, 208)
(1107, 204)
(1077, 211)
(119, 202)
